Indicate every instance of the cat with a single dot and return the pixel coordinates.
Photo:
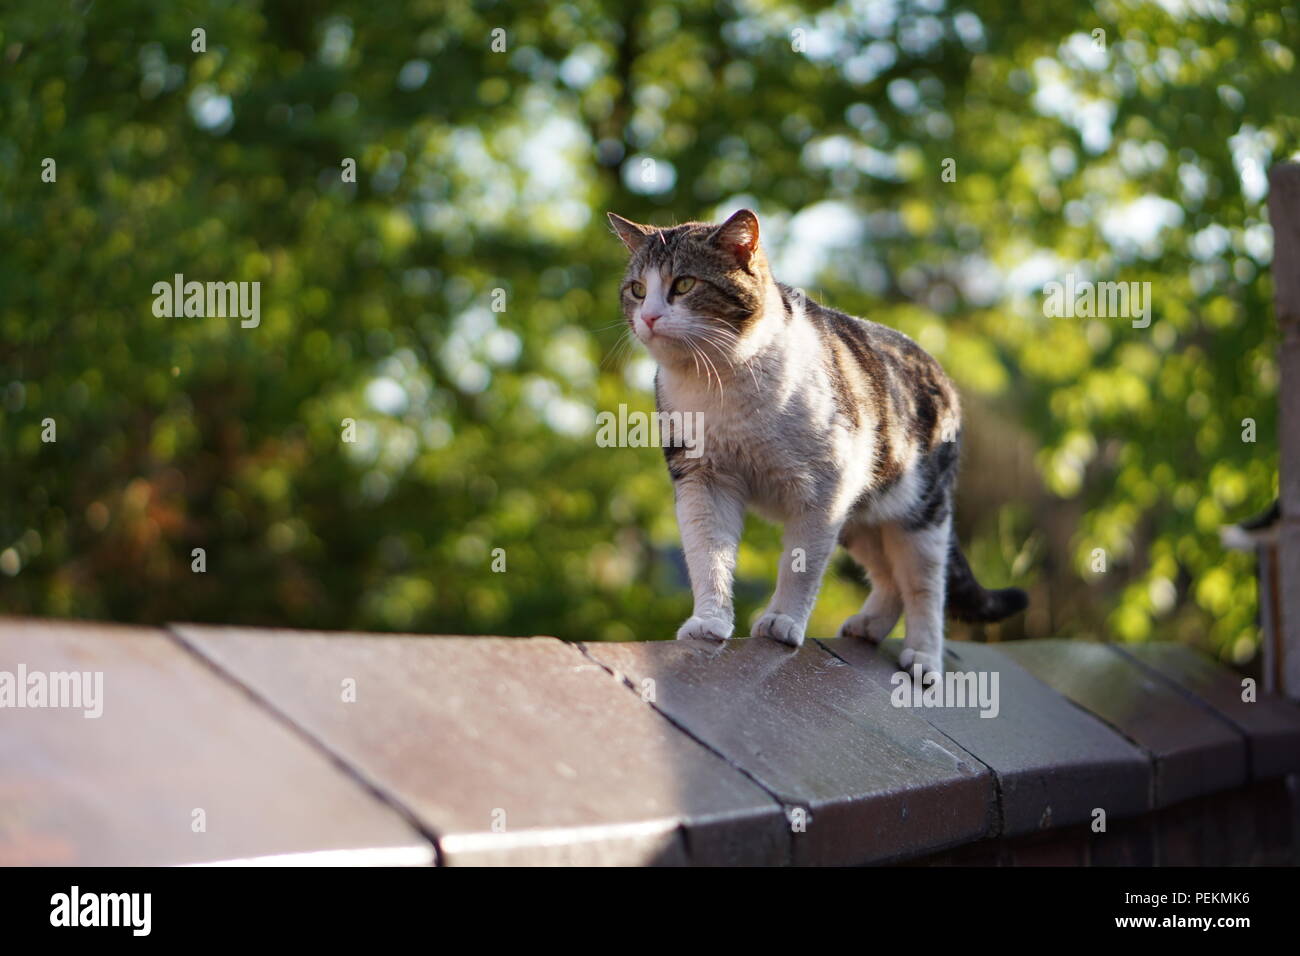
(842, 430)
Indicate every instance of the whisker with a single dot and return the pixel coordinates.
(719, 339)
(713, 373)
(695, 357)
(620, 348)
(696, 354)
(722, 392)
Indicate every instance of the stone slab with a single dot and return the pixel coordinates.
(1271, 725)
(173, 738)
(1055, 764)
(874, 782)
(516, 751)
(1194, 752)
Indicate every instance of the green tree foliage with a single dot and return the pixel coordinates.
(928, 165)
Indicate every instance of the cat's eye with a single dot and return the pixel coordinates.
(683, 284)
(638, 290)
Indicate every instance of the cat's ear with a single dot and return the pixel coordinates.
(632, 233)
(739, 236)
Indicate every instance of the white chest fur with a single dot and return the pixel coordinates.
(773, 427)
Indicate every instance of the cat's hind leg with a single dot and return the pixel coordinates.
(919, 559)
(884, 605)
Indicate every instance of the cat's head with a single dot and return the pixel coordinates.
(694, 286)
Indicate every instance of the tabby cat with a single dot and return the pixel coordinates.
(840, 429)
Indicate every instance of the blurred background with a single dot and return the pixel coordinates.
(458, 300)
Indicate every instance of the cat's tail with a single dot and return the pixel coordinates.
(970, 601)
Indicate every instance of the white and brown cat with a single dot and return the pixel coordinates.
(840, 429)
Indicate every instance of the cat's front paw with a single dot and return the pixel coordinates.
(868, 627)
(779, 627)
(929, 663)
(704, 629)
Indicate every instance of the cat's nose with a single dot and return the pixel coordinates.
(650, 319)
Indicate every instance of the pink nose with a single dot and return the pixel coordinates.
(650, 320)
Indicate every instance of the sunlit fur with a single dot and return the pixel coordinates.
(840, 429)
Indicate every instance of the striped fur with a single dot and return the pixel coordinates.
(842, 430)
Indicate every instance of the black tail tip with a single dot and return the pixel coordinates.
(992, 606)
(1008, 601)
(1004, 602)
